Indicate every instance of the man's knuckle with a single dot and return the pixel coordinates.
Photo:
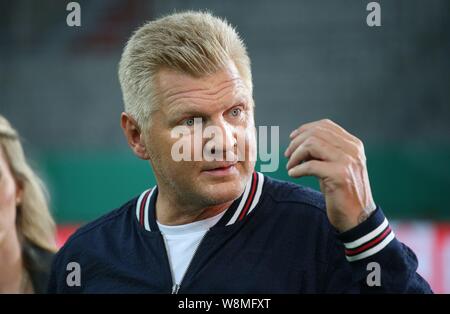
(309, 142)
(357, 142)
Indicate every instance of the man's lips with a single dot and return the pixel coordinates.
(222, 169)
(220, 166)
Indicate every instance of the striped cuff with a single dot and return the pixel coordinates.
(368, 238)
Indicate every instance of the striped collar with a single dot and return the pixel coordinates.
(239, 209)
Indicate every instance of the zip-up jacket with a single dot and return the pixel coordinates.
(275, 238)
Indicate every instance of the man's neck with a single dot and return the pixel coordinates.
(11, 266)
(170, 212)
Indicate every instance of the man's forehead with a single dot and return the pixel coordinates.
(174, 86)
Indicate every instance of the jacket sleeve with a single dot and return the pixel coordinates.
(369, 259)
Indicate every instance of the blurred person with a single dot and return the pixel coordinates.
(27, 230)
(217, 226)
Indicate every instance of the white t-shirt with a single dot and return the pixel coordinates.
(182, 241)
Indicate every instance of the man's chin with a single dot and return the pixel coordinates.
(224, 191)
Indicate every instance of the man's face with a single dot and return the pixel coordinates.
(222, 101)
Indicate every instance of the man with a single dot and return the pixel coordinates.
(216, 225)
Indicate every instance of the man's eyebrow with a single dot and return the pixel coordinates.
(184, 110)
(189, 110)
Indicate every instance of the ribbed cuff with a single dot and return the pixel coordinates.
(368, 238)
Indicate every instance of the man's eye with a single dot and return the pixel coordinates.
(236, 112)
(192, 121)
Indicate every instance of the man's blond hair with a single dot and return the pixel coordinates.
(195, 43)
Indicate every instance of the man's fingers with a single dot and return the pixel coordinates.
(315, 168)
(325, 134)
(313, 148)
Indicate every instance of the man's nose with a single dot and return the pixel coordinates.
(224, 142)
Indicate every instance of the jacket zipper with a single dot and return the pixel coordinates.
(176, 287)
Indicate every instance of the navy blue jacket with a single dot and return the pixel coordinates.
(275, 238)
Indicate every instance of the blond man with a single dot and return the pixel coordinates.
(215, 225)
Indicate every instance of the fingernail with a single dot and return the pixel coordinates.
(293, 133)
(290, 172)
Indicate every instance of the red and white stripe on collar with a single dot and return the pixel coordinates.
(250, 198)
(248, 202)
(370, 244)
(142, 206)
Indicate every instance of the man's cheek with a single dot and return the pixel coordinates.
(176, 149)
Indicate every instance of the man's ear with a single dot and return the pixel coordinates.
(134, 136)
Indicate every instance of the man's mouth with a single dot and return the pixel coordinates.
(221, 169)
